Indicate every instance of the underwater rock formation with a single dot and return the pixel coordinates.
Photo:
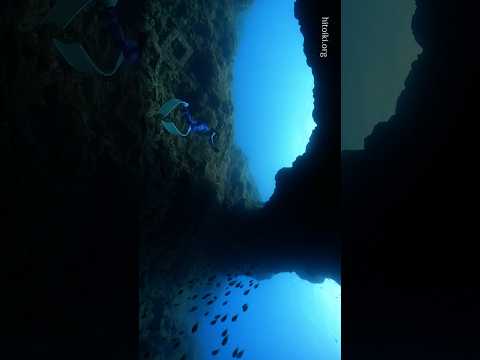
(90, 177)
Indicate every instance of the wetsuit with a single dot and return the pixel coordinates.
(199, 127)
(129, 48)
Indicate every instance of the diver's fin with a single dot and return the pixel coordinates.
(172, 129)
(170, 105)
(64, 11)
(77, 57)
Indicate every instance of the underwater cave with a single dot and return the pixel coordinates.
(272, 91)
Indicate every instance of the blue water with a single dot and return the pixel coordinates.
(272, 90)
(288, 318)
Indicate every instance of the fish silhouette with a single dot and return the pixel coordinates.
(245, 307)
(210, 302)
(208, 312)
(240, 354)
(206, 296)
(215, 352)
(238, 285)
(224, 333)
(176, 345)
(194, 327)
(235, 352)
(217, 316)
(213, 322)
(231, 283)
(235, 317)
(256, 286)
(194, 297)
(228, 293)
(224, 341)
(193, 309)
(246, 292)
(225, 303)
(180, 291)
(224, 318)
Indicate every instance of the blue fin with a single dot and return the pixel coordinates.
(78, 58)
(172, 129)
(64, 11)
(170, 105)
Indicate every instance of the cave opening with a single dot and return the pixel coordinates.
(272, 91)
(258, 317)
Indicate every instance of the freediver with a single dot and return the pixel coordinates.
(62, 14)
(131, 49)
(199, 127)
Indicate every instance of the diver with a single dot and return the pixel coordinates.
(62, 14)
(130, 49)
(199, 127)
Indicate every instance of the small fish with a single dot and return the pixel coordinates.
(241, 286)
(217, 316)
(229, 275)
(225, 303)
(229, 279)
(215, 352)
(228, 293)
(224, 341)
(206, 296)
(194, 327)
(231, 283)
(227, 287)
(245, 307)
(246, 292)
(235, 317)
(213, 322)
(235, 352)
(238, 285)
(224, 318)
(194, 297)
(176, 304)
(176, 345)
(206, 314)
(224, 332)
(240, 354)
(180, 291)
(210, 302)
(256, 286)
(193, 309)
(214, 298)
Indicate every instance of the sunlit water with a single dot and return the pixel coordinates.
(287, 318)
(272, 91)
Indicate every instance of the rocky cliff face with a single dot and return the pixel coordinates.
(89, 174)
